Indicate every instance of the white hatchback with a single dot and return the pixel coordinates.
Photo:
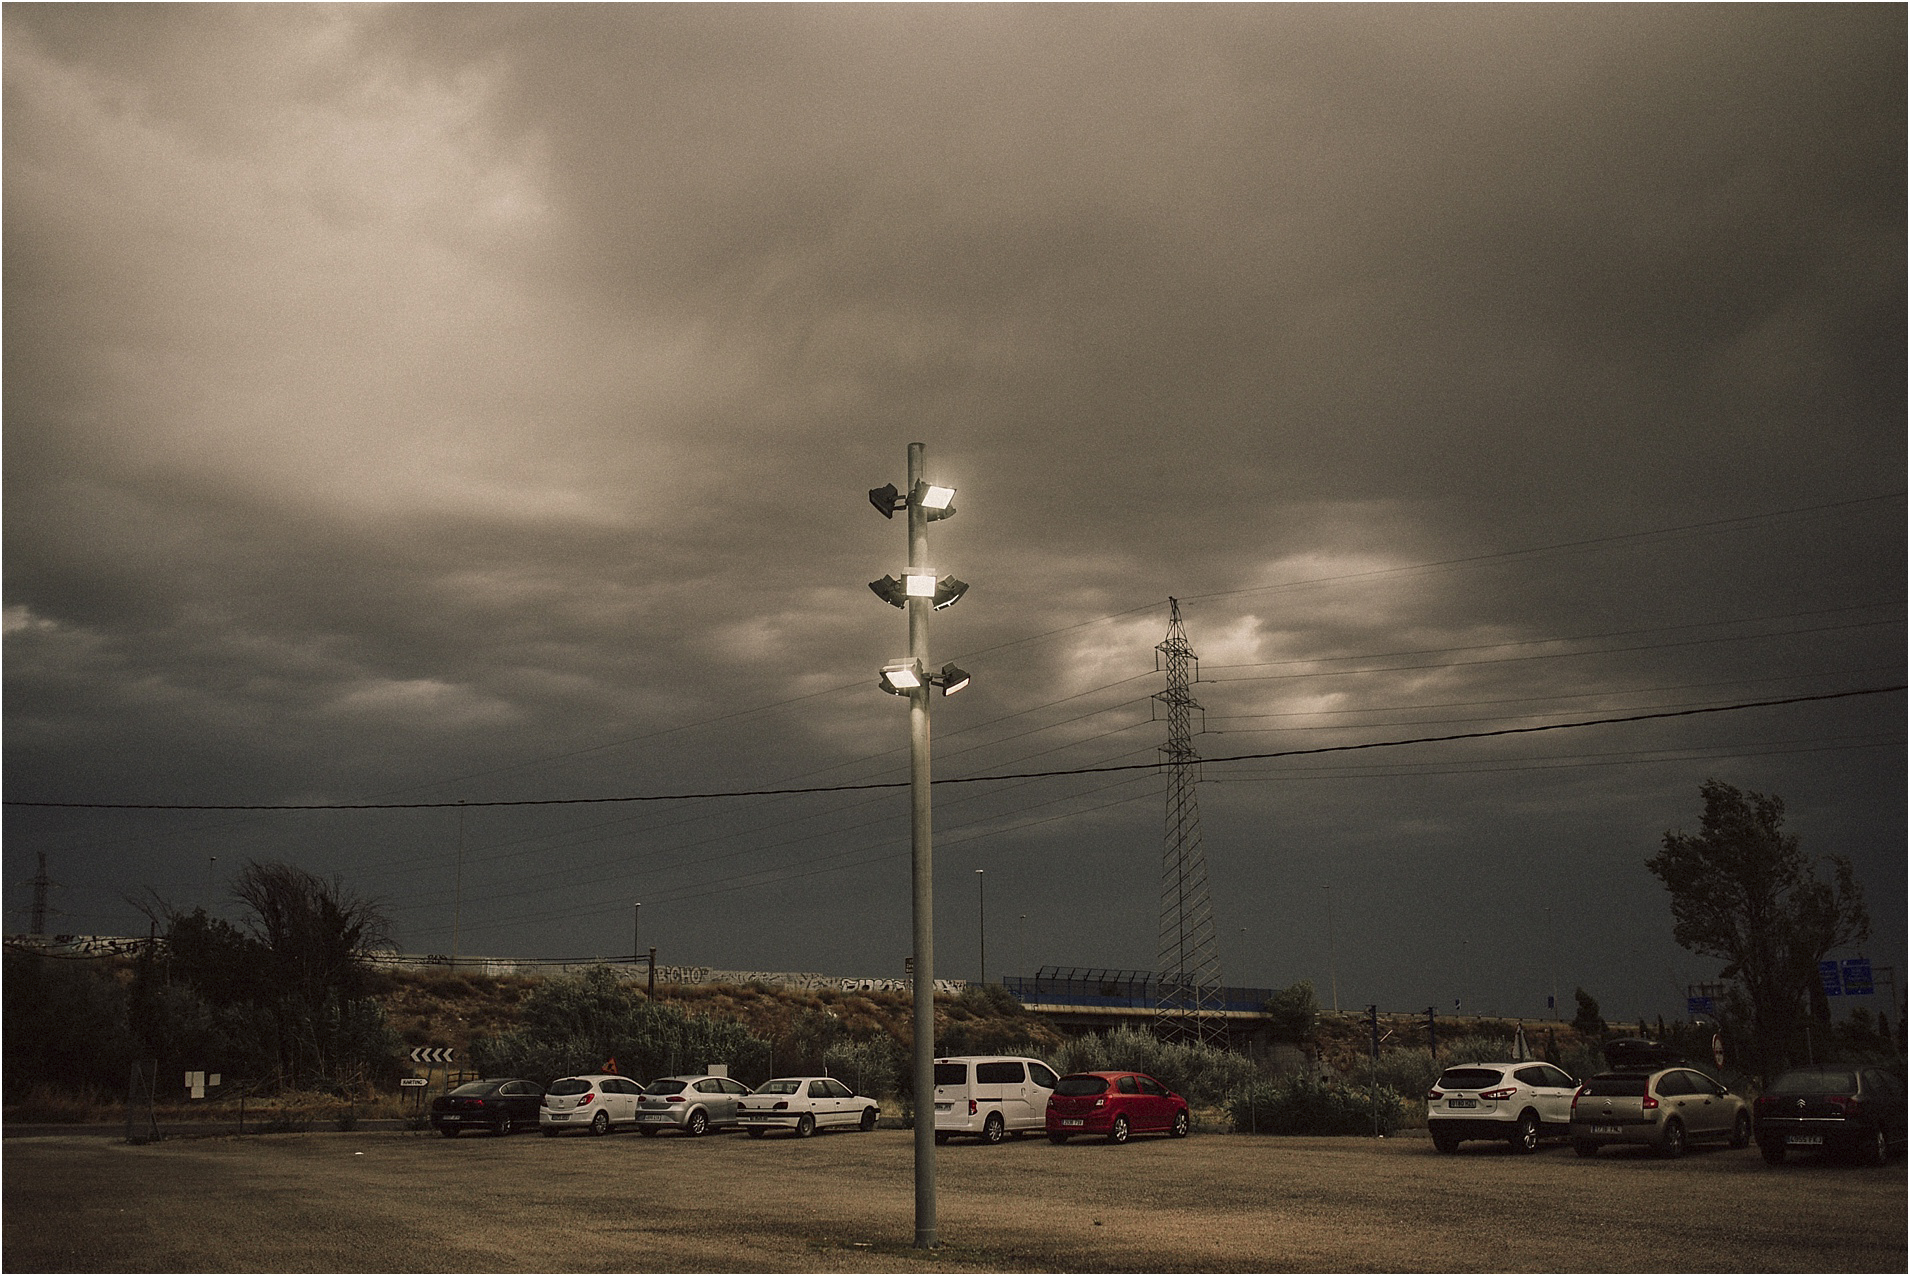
(595, 1102)
(991, 1096)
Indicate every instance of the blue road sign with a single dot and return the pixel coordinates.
(1833, 985)
(1699, 1006)
(1856, 974)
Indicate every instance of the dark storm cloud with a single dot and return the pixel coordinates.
(476, 401)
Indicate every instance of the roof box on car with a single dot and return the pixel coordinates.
(1636, 1052)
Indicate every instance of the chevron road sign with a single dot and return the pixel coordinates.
(432, 1054)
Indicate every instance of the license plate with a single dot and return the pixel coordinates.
(1462, 1103)
(654, 1116)
(1604, 1129)
(450, 1117)
(944, 1107)
(1805, 1140)
(1073, 1121)
(560, 1116)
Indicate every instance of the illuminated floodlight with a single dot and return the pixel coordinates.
(950, 680)
(899, 677)
(948, 592)
(935, 500)
(919, 582)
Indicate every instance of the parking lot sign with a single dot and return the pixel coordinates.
(1833, 984)
(1857, 981)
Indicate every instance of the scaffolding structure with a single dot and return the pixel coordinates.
(1188, 1008)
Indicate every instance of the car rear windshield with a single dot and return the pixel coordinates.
(1469, 1078)
(1607, 1087)
(1815, 1081)
(1076, 1087)
(951, 1074)
(668, 1085)
(474, 1089)
(570, 1085)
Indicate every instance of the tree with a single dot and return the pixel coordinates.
(1292, 1012)
(1744, 893)
(1587, 1020)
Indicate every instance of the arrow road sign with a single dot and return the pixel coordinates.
(432, 1054)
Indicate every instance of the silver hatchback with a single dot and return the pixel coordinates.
(693, 1105)
(1666, 1109)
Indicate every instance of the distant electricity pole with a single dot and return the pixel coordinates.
(40, 884)
(1188, 1008)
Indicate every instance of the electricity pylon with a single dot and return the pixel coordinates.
(1188, 967)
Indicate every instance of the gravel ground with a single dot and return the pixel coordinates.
(413, 1202)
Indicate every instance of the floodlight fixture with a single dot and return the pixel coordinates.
(899, 677)
(887, 500)
(935, 500)
(890, 591)
(950, 680)
(948, 592)
(919, 582)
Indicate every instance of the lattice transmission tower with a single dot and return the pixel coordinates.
(1188, 967)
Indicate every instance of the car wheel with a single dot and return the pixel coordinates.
(504, 1125)
(1179, 1129)
(1878, 1150)
(1444, 1142)
(1118, 1132)
(1741, 1132)
(1056, 1137)
(448, 1131)
(1525, 1136)
(1773, 1153)
(698, 1124)
(868, 1119)
(757, 1132)
(1673, 1145)
(993, 1129)
(600, 1124)
(805, 1126)
(1584, 1147)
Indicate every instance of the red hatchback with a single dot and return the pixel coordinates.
(1114, 1105)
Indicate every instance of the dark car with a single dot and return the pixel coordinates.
(500, 1105)
(1114, 1105)
(1858, 1111)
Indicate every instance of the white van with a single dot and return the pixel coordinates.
(990, 1096)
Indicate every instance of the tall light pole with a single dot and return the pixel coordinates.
(636, 933)
(981, 887)
(920, 592)
(1332, 970)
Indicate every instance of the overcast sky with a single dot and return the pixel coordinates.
(434, 403)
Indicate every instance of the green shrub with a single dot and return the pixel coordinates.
(1303, 1105)
(1204, 1075)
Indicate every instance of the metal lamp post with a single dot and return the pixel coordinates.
(920, 592)
(981, 890)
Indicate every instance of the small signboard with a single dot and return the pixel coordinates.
(1827, 972)
(1695, 1006)
(1857, 978)
(1717, 1049)
(411, 1081)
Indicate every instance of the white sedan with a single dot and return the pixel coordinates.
(805, 1105)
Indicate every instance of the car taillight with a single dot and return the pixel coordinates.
(1651, 1101)
(1435, 1093)
(1575, 1097)
(1849, 1105)
(586, 1099)
(972, 1109)
(1765, 1102)
(1504, 1092)
(674, 1098)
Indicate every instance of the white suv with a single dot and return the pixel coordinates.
(1517, 1102)
(991, 1096)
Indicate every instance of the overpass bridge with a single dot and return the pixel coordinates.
(1092, 998)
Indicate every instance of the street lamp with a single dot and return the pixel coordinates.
(920, 591)
(981, 887)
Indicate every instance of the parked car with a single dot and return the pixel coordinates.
(597, 1102)
(991, 1096)
(804, 1105)
(1667, 1109)
(1858, 1111)
(500, 1105)
(693, 1104)
(1518, 1102)
(1114, 1105)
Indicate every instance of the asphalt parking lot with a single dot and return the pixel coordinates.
(408, 1201)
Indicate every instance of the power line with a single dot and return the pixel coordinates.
(969, 779)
